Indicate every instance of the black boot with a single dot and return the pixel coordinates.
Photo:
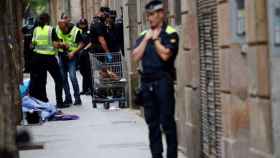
(78, 102)
(62, 105)
(68, 102)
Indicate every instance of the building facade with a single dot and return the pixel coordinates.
(227, 96)
(75, 8)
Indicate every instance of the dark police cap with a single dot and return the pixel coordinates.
(154, 5)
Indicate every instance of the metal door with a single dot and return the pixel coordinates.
(211, 125)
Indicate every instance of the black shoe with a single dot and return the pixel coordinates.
(61, 106)
(68, 102)
(78, 102)
(82, 93)
(88, 92)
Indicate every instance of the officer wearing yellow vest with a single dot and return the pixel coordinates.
(157, 48)
(72, 38)
(44, 42)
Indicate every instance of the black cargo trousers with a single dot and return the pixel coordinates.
(159, 110)
(85, 70)
(40, 65)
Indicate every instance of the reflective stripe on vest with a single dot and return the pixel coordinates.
(169, 30)
(69, 38)
(42, 40)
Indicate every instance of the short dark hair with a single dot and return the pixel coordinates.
(44, 18)
(105, 9)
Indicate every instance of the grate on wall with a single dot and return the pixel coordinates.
(211, 126)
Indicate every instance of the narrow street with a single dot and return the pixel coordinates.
(224, 56)
(98, 134)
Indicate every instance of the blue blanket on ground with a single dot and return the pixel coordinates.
(30, 104)
(46, 109)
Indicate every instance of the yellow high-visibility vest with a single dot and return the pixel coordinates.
(69, 38)
(42, 40)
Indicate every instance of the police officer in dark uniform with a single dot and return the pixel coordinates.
(112, 32)
(98, 35)
(157, 48)
(84, 61)
(119, 34)
(27, 30)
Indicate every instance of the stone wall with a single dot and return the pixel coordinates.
(274, 64)
(245, 84)
(76, 12)
(187, 87)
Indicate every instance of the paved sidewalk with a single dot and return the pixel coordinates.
(97, 134)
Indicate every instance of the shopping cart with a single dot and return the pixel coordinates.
(108, 79)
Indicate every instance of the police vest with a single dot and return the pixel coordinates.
(69, 38)
(42, 40)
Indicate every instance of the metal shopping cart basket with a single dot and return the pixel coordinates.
(108, 79)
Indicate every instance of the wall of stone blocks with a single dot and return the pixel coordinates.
(259, 90)
(245, 82)
(76, 12)
(187, 86)
(91, 7)
(56, 9)
(274, 62)
(88, 9)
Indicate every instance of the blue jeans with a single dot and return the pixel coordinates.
(65, 67)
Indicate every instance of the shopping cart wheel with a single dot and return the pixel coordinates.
(94, 104)
(122, 104)
(106, 105)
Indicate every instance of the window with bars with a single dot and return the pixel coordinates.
(240, 14)
(177, 12)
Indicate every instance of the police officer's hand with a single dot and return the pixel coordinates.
(148, 35)
(57, 45)
(156, 33)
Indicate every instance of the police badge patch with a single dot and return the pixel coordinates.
(173, 40)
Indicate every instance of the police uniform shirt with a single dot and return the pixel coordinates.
(97, 29)
(151, 61)
(112, 34)
(86, 36)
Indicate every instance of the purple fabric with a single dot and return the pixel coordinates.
(65, 117)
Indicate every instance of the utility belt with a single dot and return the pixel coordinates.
(150, 77)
